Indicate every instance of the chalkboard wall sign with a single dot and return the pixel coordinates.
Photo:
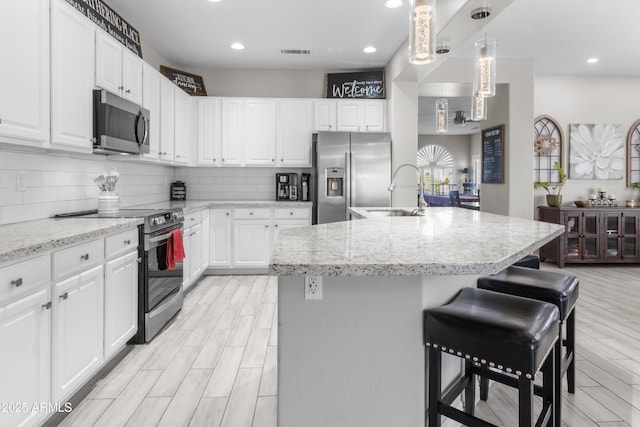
(105, 17)
(190, 83)
(493, 155)
(363, 84)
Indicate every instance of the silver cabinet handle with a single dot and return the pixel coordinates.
(84, 257)
(128, 91)
(139, 260)
(266, 226)
(276, 225)
(273, 160)
(65, 295)
(282, 160)
(17, 282)
(250, 213)
(193, 219)
(127, 242)
(47, 306)
(290, 213)
(227, 213)
(120, 87)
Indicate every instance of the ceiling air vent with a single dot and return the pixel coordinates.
(295, 51)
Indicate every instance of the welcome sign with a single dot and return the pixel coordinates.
(363, 84)
(104, 17)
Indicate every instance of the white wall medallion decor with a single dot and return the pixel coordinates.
(597, 151)
(548, 142)
(633, 154)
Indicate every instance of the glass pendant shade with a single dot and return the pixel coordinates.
(478, 107)
(442, 115)
(422, 31)
(484, 81)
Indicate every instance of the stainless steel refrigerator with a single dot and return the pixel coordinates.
(352, 169)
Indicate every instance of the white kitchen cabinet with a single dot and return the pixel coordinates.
(352, 115)
(209, 131)
(25, 359)
(151, 101)
(295, 127)
(375, 116)
(167, 120)
(206, 233)
(220, 232)
(78, 330)
(120, 301)
(182, 126)
(251, 237)
(232, 150)
(324, 115)
(260, 132)
(118, 70)
(192, 241)
(72, 78)
(24, 76)
(284, 218)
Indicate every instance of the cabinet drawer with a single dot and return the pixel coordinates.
(120, 243)
(246, 213)
(192, 219)
(297, 213)
(23, 277)
(77, 258)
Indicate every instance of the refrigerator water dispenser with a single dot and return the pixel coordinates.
(335, 182)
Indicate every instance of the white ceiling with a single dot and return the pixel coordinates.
(559, 35)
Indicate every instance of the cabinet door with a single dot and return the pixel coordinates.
(209, 131)
(295, 126)
(590, 236)
(205, 239)
(350, 115)
(260, 132)
(629, 243)
(132, 76)
(286, 224)
(220, 247)
(151, 101)
(120, 302)
(24, 77)
(324, 115)
(108, 63)
(25, 359)
(612, 235)
(167, 119)
(251, 243)
(186, 264)
(195, 261)
(375, 116)
(182, 122)
(72, 78)
(78, 330)
(232, 132)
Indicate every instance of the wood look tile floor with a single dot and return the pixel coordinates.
(215, 365)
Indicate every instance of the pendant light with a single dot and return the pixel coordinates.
(484, 81)
(422, 31)
(478, 107)
(442, 115)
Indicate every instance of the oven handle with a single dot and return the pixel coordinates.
(160, 238)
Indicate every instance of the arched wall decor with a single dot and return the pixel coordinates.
(633, 154)
(548, 142)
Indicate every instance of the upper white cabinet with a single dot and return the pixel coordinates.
(295, 126)
(24, 77)
(183, 124)
(325, 115)
(167, 119)
(209, 135)
(375, 116)
(151, 101)
(232, 128)
(118, 70)
(354, 115)
(72, 78)
(260, 132)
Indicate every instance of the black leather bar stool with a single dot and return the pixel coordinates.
(556, 288)
(489, 329)
(529, 261)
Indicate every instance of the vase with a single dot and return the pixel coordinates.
(554, 200)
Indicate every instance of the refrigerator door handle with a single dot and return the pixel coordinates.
(348, 183)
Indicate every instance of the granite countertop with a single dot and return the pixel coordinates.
(445, 241)
(27, 238)
(190, 206)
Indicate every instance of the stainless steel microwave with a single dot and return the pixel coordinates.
(119, 125)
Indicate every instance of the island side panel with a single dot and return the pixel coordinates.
(354, 358)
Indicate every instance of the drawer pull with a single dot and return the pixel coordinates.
(227, 213)
(250, 213)
(84, 257)
(65, 295)
(17, 282)
(47, 306)
(127, 242)
(290, 213)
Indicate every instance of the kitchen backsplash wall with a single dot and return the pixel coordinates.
(37, 185)
(232, 183)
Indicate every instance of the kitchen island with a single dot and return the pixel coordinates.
(356, 357)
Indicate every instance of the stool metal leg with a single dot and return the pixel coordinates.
(484, 388)
(525, 401)
(435, 387)
(570, 344)
(470, 391)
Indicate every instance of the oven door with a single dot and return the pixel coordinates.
(161, 282)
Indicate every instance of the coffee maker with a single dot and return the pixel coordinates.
(283, 183)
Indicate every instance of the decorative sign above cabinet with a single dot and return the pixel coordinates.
(105, 17)
(364, 84)
(190, 83)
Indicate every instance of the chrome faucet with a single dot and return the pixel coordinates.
(421, 202)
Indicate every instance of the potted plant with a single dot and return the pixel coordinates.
(554, 198)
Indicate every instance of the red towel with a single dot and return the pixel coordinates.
(175, 249)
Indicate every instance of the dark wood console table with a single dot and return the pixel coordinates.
(593, 235)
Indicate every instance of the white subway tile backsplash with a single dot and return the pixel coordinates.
(8, 179)
(10, 160)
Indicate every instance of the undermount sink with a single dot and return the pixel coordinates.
(391, 212)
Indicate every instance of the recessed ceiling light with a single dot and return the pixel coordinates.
(237, 46)
(369, 49)
(392, 4)
(214, 1)
(592, 60)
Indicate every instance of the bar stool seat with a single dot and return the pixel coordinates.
(559, 289)
(489, 329)
(529, 261)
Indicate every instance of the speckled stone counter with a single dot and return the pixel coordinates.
(444, 241)
(31, 237)
(190, 206)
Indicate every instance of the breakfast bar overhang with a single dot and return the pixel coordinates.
(356, 357)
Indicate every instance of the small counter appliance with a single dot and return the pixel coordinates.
(286, 186)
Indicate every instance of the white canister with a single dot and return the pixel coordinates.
(108, 203)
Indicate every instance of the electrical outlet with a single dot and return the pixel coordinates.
(313, 287)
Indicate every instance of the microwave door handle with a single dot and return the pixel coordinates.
(146, 130)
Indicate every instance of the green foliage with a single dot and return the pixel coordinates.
(554, 187)
(636, 185)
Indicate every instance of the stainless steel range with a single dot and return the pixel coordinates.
(159, 288)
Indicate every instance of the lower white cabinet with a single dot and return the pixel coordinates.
(25, 359)
(78, 315)
(120, 302)
(192, 264)
(220, 240)
(251, 242)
